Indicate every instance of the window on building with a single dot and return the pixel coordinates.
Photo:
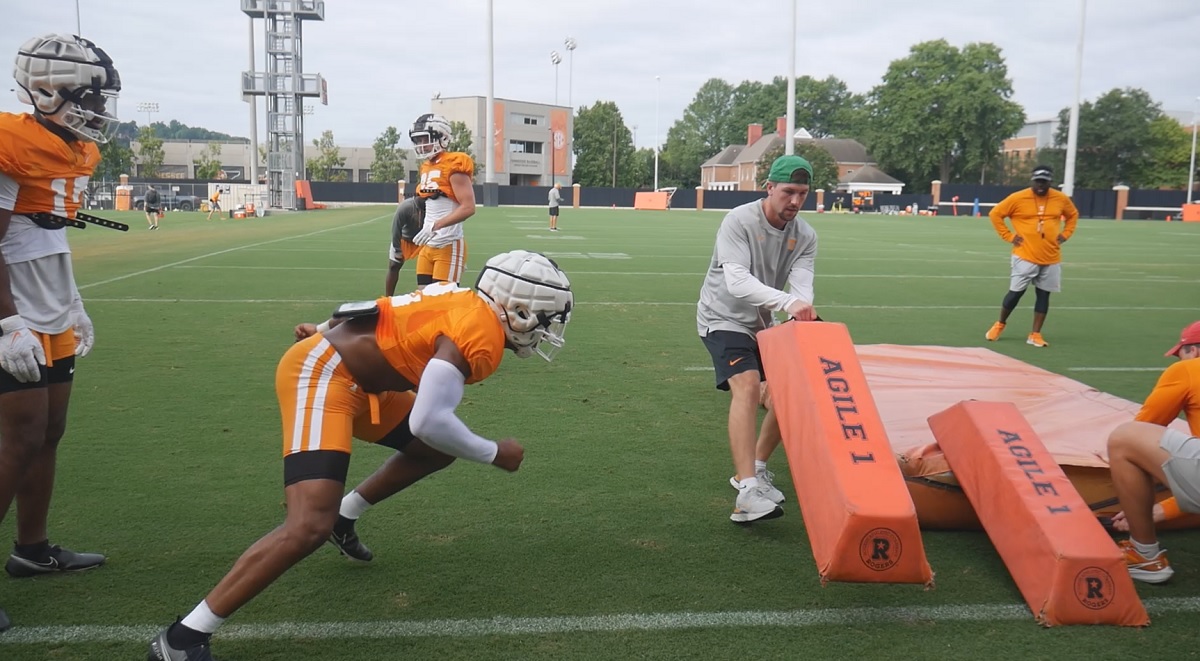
(528, 120)
(524, 147)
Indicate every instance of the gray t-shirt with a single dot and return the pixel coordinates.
(771, 255)
(555, 197)
(406, 223)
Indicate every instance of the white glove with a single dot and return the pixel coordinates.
(20, 350)
(85, 332)
(424, 235)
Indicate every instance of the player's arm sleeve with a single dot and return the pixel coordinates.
(800, 278)
(1072, 215)
(1164, 403)
(9, 189)
(997, 216)
(434, 421)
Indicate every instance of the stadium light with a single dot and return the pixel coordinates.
(570, 45)
(1192, 163)
(148, 107)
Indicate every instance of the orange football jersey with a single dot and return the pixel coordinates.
(409, 326)
(52, 173)
(435, 175)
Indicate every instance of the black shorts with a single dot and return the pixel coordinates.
(553, 211)
(214, 205)
(63, 371)
(334, 465)
(152, 210)
(732, 353)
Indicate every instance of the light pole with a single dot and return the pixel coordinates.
(570, 45)
(78, 23)
(1192, 163)
(789, 140)
(1068, 186)
(148, 107)
(555, 58)
(657, 89)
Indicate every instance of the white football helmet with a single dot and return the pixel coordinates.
(430, 135)
(533, 299)
(70, 82)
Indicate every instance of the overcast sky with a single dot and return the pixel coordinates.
(385, 59)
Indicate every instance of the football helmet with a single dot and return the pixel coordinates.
(70, 82)
(430, 135)
(533, 299)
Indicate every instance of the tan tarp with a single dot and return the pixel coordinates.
(911, 383)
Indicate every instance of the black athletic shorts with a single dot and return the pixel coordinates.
(732, 353)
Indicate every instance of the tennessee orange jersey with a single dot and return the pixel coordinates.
(435, 176)
(409, 326)
(52, 174)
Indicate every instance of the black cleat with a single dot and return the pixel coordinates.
(5, 623)
(57, 560)
(161, 650)
(347, 543)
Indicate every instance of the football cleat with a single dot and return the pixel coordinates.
(57, 560)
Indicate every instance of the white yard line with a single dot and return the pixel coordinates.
(616, 623)
(227, 250)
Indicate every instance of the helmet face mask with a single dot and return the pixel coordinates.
(532, 298)
(69, 82)
(430, 135)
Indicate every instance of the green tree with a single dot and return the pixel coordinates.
(388, 165)
(116, 159)
(149, 153)
(604, 154)
(1170, 154)
(825, 108)
(208, 164)
(328, 163)
(1116, 139)
(825, 169)
(707, 127)
(942, 113)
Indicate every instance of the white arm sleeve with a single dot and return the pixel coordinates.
(743, 285)
(8, 192)
(800, 282)
(433, 419)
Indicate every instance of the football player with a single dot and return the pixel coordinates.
(406, 224)
(46, 158)
(446, 186)
(391, 372)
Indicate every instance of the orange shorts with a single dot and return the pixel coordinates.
(443, 264)
(408, 251)
(323, 408)
(57, 346)
(60, 363)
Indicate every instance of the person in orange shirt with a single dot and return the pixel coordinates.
(449, 194)
(392, 372)
(1145, 452)
(46, 159)
(1038, 214)
(214, 203)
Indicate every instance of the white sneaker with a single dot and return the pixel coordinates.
(752, 504)
(766, 479)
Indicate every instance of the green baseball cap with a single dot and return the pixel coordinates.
(784, 169)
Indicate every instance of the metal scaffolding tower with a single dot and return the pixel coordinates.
(283, 84)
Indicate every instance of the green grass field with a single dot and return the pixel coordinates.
(613, 541)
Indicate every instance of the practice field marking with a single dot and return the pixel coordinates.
(227, 250)
(617, 623)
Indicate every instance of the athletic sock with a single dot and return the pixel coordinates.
(759, 466)
(1147, 551)
(38, 551)
(353, 505)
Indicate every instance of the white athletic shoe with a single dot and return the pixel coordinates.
(766, 480)
(752, 504)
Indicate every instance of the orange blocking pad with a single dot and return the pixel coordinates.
(1068, 569)
(651, 201)
(861, 522)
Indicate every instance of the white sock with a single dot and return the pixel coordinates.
(748, 483)
(759, 466)
(202, 619)
(1147, 551)
(353, 505)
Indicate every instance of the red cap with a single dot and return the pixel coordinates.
(1190, 335)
